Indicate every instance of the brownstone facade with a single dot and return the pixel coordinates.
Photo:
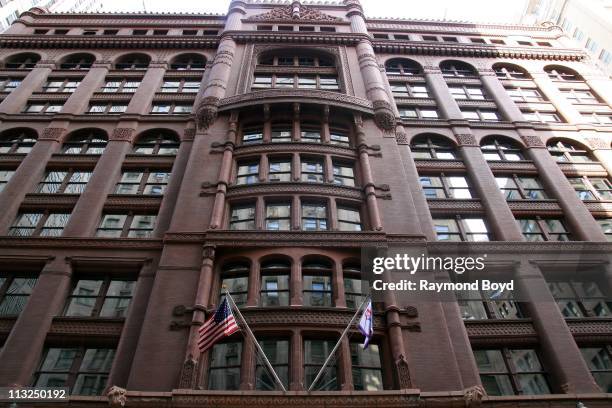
(148, 160)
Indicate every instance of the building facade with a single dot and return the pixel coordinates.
(11, 9)
(586, 22)
(149, 160)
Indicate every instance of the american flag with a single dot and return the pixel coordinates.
(220, 325)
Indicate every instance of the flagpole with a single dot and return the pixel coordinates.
(320, 373)
(250, 333)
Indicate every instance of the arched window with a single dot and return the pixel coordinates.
(78, 61)
(559, 73)
(317, 281)
(322, 73)
(403, 66)
(157, 142)
(275, 283)
(133, 61)
(432, 147)
(510, 71)
(22, 61)
(235, 278)
(457, 69)
(188, 61)
(352, 284)
(19, 140)
(566, 152)
(86, 141)
(501, 148)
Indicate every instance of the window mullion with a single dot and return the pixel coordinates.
(126, 224)
(74, 368)
(100, 297)
(40, 224)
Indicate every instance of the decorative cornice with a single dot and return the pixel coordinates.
(95, 42)
(296, 37)
(298, 238)
(58, 242)
(294, 14)
(83, 327)
(321, 317)
(297, 95)
(50, 201)
(132, 202)
(322, 148)
(294, 188)
(468, 50)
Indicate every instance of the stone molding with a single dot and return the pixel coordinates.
(321, 148)
(122, 135)
(86, 327)
(291, 14)
(52, 134)
(532, 141)
(289, 188)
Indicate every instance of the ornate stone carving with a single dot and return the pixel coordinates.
(122, 134)
(289, 13)
(188, 372)
(597, 143)
(188, 134)
(53, 134)
(383, 115)
(473, 396)
(532, 141)
(206, 112)
(466, 139)
(403, 373)
(116, 397)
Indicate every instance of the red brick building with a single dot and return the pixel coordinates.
(146, 160)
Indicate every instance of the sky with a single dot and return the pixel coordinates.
(492, 11)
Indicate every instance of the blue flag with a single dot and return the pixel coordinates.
(366, 326)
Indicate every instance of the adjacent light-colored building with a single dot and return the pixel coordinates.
(587, 22)
(11, 9)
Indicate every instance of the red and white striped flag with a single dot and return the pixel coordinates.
(221, 324)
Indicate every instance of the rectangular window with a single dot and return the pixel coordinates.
(280, 170)
(445, 187)
(543, 229)
(43, 108)
(461, 229)
(64, 182)
(545, 117)
(262, 81)
(284, 82)
(247, 173)
(252, 136)
(120, 86)
(107, 108)
(606, 227)
(58, 85)
(598, 118)
(242, 217)
(314, 217)
(310, 134)
(15, 290)
(312, 171)
(170, 109)
(525, 95)
(278, 217)
(580, 96)
(349, 219)
(100, 298)
(5, 176)
(599, 361)
(126, 225)
(366, 367)
(511, 372)
(237, 286)
(275, 286)
(281, 134)
(7, 85)
(339, 137)
(521, 188)
(277, 352)
(417, 113)
(39, 224)
(479, 305)
(592, 188)
(580, 298)
(315, 354)
(144, 182)
(329, 83)
(225, 361)
(344, 175)
(467, 92)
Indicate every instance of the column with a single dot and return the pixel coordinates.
(247, 367)
(29, 173)
(128, 342)
(369, 188)
(345, 366)
(297, 362)
(338, 284)
(370, 71)
(219, 73)
(78, 101)
(582, 224)
(600, 85)
(499, 216)
(550, 89)
(36, 78)
(87, 211)
(602, 150)
(556, 341)
(164, 216)
(224, 173)
(140, 104)
(495, 89)
(295, 283)
(46, 301)
(254, 284)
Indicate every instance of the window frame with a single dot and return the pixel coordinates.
(8, 279)
(144, 181)
(100, 297)
(65, 182)
(545, 232)
(127, 228)
(523, 193)
(40, 227)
